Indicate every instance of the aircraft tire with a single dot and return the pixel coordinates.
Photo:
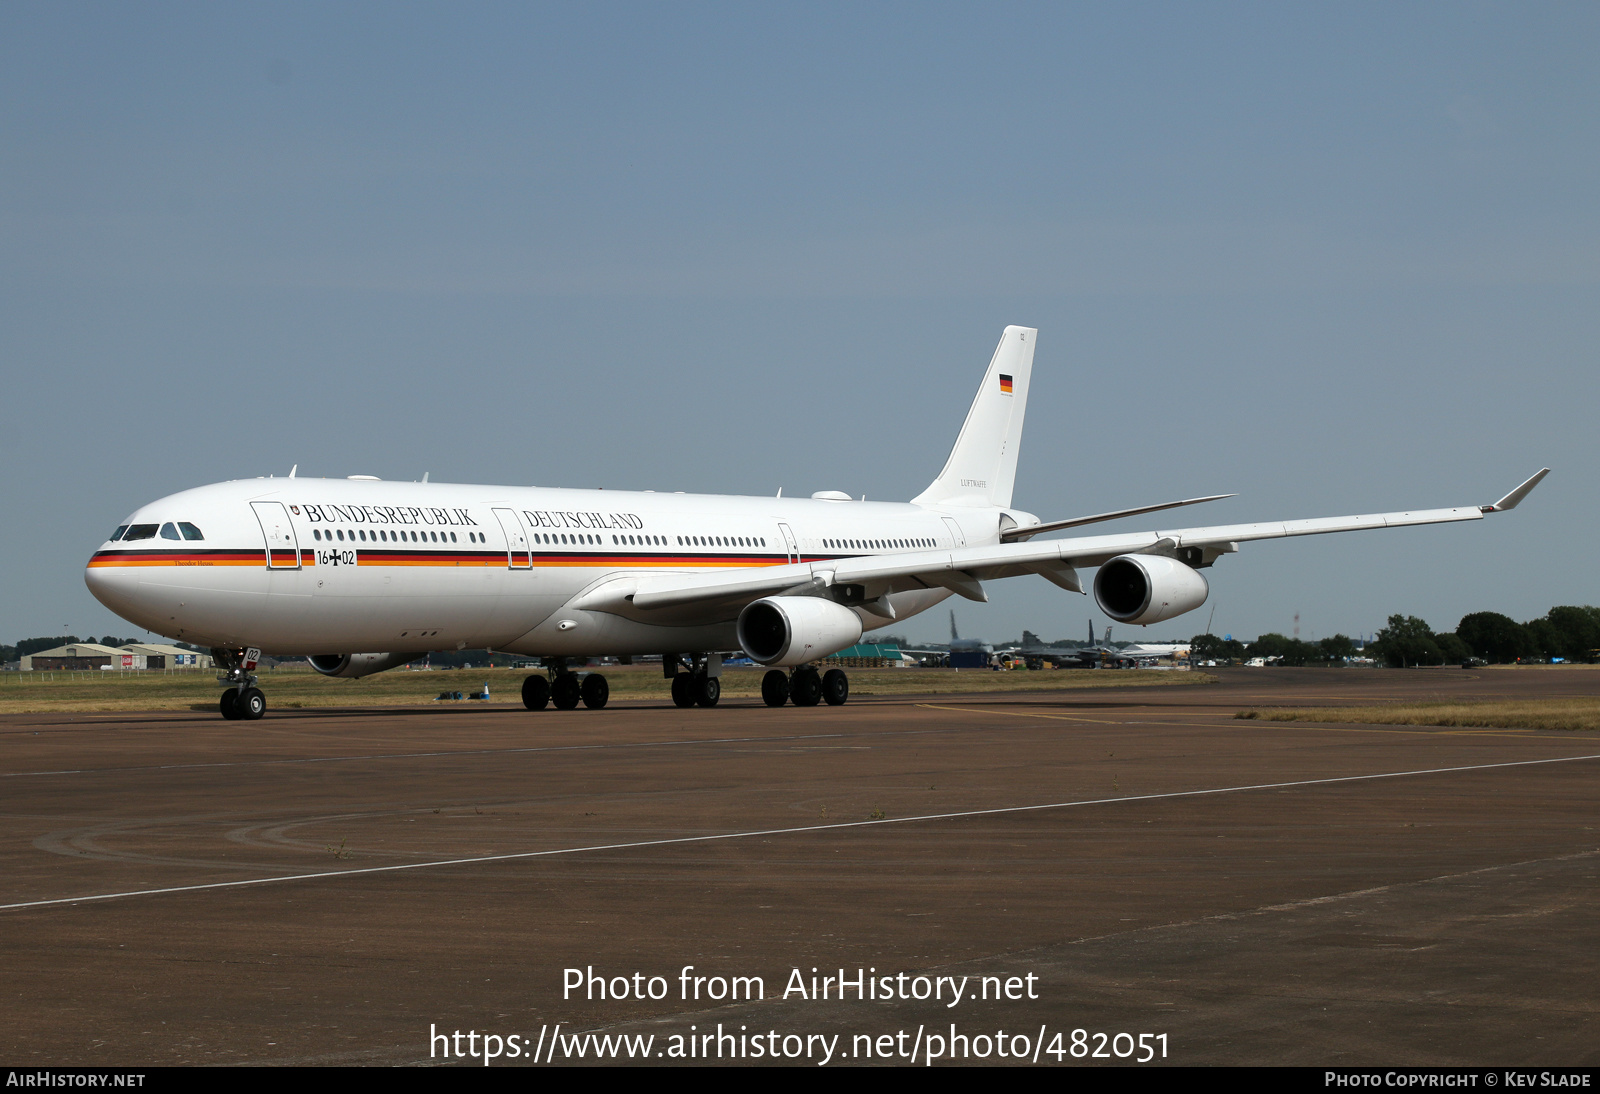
(835, 687)
(775, 688)
(252, 705)
(595, 691)
(805, 687)
(683, 690)
(566, 692)
(536, 692)
(229, 704)
(707, 690)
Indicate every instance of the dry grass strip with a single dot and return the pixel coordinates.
(1569, 714)
(30, 693)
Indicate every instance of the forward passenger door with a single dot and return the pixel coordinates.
(283, 548)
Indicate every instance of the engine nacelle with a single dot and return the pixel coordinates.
(356, 665)
(784, 631)
(1148, 588)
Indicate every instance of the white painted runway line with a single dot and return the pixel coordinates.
(239, 884)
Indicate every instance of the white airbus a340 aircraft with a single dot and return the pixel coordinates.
(359, 575)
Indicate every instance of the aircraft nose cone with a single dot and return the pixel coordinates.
(115, 588)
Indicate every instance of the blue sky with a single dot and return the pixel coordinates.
(1337, 258)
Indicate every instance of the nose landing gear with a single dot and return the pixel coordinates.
(242, 701)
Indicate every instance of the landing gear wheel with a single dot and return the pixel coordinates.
(229, 704)
(595, 691)
(251, 705)
(707, 690)
(535, 693)
(566, 692)
(775, 688)
(835, 687)
(683, 690)
(805, 687)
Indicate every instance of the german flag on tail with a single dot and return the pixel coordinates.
(1005, 384)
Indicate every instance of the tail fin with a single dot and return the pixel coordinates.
(982, 468)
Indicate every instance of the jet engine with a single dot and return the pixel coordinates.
(784, 631)
(1148, 588)
(355, 665)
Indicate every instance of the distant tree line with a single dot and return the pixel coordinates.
(1275, 648)
(1566, 632)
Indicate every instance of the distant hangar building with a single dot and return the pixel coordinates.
(79, 656)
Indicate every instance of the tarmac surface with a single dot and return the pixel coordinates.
(332, 887)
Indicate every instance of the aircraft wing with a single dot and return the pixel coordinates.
(962, 570)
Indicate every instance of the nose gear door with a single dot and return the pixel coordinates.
(283, 549)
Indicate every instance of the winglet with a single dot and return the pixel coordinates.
(1511, 500)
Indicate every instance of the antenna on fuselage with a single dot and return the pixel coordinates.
(424, 476)
(293, 469)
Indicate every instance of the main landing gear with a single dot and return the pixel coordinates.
(701, 685)
(805, 687)
(696, 682)
(696, 689)
(565, 689)
(242, 701)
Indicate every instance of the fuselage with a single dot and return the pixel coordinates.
(325, 566)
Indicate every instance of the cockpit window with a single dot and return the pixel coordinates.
(169, 531)
(189, 531)
(121, 528)
(140, 531)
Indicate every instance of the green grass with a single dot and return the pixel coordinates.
(299, 686)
